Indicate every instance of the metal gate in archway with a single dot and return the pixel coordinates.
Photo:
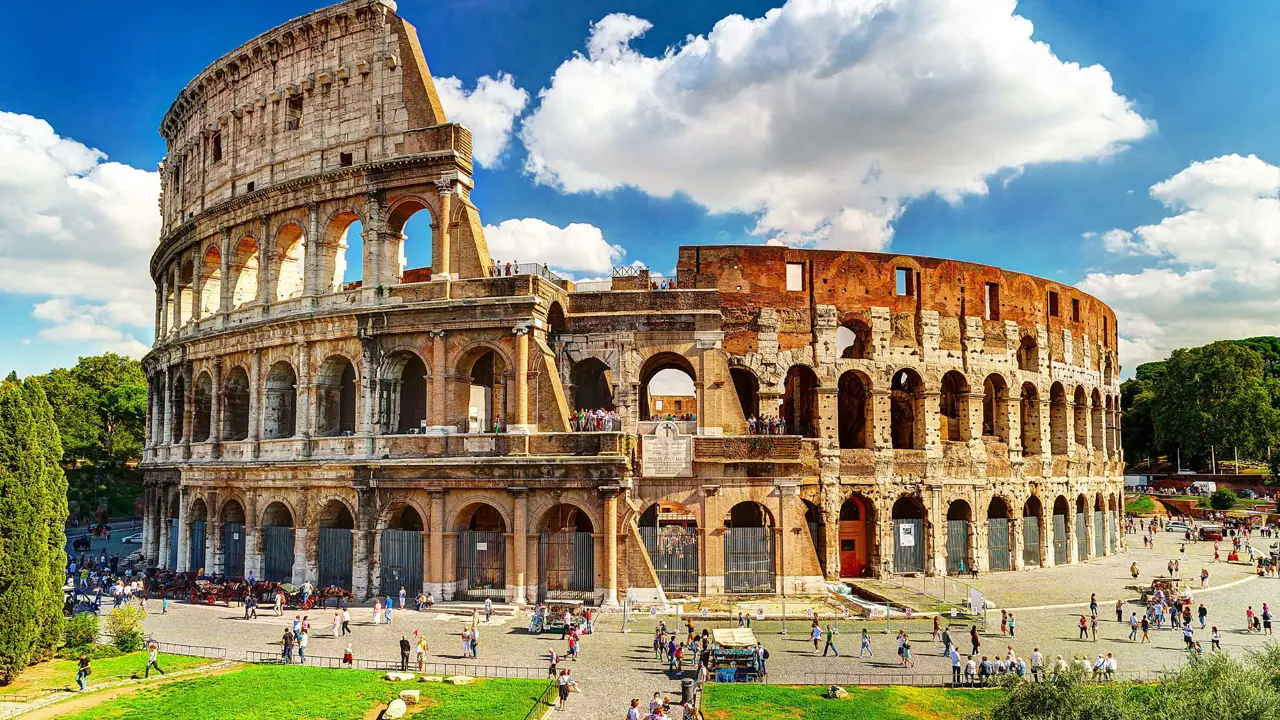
(195, 560)
(333, 557)
(673, 550)
(566, 565)
(1060, 555)
(748, 560)
(1030, 540)
(400, 562)
(277, 553)
(172, 560)
(482, 565)
(957, 546)
(1082, 542)
(908, 545)
(1099, 540)
(998, 543)
(233, 550)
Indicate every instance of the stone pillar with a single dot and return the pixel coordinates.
(167, 418)
(252, 554)
(302, 570)
(184, 533)
(1015, 539)
(226, 291)
(520, 540)
(787, 491)
(1046, 533)
(435, 564)
(215, 409)
(829, 483)
(148, 517)
(437, 405)
(212, 528)
(255, 398)
(311, 281)
(164, 304)
(610, 598)
(162, 547)
(363, 558)
(1073, 540)
(441, 250)
(305, 418)
(1088, 532)
(268, 268)
(880, 433)
(188, 408)
(176, 284)
(522, 424)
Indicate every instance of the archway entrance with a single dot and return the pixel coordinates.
(748, 549)
(747, 388)
(277, 543)
(908, 535)
(196, 539)
(487, 394)
(334, 546)
(280, 409)
(566, 555)
(203, 411)
(959, 516)
(1031, 532)
(800, 401)
(905, 410)
(852, 410)
(232, 540)
(670, 534)
(400, 558)
(1060, 511)
(667, 388)
(403, 394)
(336, 397)
(855, 549)
(998, 555)
(482, 554)
(592, 385)
(813, 520)
(235, 405)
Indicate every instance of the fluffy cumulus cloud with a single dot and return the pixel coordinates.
(1213, 263)
(824, 117)
(76, 233)
(489, 111)
(577, 247)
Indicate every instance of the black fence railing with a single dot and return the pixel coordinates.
(547, 699)
(431, 668)
(943, 679)
(205, 651)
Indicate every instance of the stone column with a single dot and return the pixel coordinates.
(177, 293)
(162, 547)
(226, 291)
(215, 409)
(159, 332)
(880, 433)
(167, 418)
(211, 528)
(437, 406)
(1046, 534)
(520, 542)
(1073, 539)
(363, 558)
(522, 424)
(305, 418)
(268, 267)
(788, 489)
(255, 399)
(252, 554)
(184, 533)
(435, 564)
(610, 598)
(302, 570)
(164, 304)
(1015, 539)
(311, 283)
(188, 408)
(148, 517)
(441, 251)
(1088, 532)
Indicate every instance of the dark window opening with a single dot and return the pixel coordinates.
(904, 284)
(993, 301)
(293, 113)
(1075, 310)
(217, 147)
(1053, 304)
(344, 159)
(1106, 339)
(249, 186)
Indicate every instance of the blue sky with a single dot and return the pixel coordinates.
(1196, 80)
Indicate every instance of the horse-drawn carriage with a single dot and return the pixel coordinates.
(165, 584)
(1171, 589)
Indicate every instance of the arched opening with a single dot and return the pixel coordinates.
(852, 410)
(482, 553)
(1110, 421)
(906, 410)
(334, 545)
(855, 537)
(291, 270)
(1082, 535)
(178, 408)
(1081, 419)
(277, 543)
(197, 544)
(1031, 511)
(411, 232)
(486, 409)
(341, 260)
(747, 388)
(1107, 370)
(235, 405)
(1058, 419)
(995, 407)
(851, 340)
(556, 323)
(186, 293)
(998, 546)
(279, 412)
(403, 394)
(959, 555)
(232, 539)
(244, 268)
(1099, 422)
(908, 535)
(401, 552)
(592, 382)
(670, 534)
(1029, 420)
(800, 401)
(336, 397)
(155, 391)
(202, 413)
(211, 289)
(667, 388)
(1099, 526)
(748, 549)
(1028, 354)
(953, 410)
(566, 554)
(1061, 509)
(815, 523)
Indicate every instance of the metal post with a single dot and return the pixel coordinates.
(784, 617)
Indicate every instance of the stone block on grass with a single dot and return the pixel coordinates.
(395, 710)
(400, 676)
(410, 697)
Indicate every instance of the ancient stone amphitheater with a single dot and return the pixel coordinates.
(413, 428)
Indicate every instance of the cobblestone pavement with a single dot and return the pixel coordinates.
(616, 666)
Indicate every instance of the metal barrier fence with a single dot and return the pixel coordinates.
(168, 648)
(593, 286)
(944, 679)
(548, 698)
(431, 668)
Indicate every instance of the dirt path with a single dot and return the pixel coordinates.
(80, 702)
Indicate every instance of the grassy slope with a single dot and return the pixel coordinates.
(272, 692)
(61, 674)
(772, 702)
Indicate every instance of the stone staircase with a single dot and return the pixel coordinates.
(466, 607)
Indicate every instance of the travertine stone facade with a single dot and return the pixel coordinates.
(412, 428)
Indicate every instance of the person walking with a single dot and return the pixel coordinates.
(937, 629)
(488, 609)
(286, 647)
(1012, 625)
(402, 597)
(346, 620)
(303, 639)
(151, 660)
(955, 667)
(377, 611)
(279, 602)
(974, 640)
(946, 640)
(1093, 603)
(562, 686)
(1133, 626)
(865, 645)
(386, 610)
(815, 634)
(1203, 612)
(404, 653)
(422, 651)
(1215, 639)
(1093, 627)
(82, 673)
(906, 652)
(1146, 626)
(1083, 625)
(1037, 664)
(831, 642)
(1119, 611)
(337, 623)
(1004, 622)
(348, 658)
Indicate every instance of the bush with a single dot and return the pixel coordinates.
(125, 625)
(95, 652)
(1223, 499)
(81, 631)
(1140, 505)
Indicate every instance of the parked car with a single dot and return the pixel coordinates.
(135, 538)
(1177, 526)
(1247, 493)
(1186, 471)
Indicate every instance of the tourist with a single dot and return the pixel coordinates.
(1146, 626)
(1037, 664)
(475, 641)
(866, 644)
(348, 658)
(307, 589)
(1203, 612)
(422, 649)
(555, 661)
(906, 652)
(404, 653)
(1083, 625)
(955, 667)
(970, 670)
(302, 647)
(937, 630)
(1133, 626)
(762, 656)
(337, 623)
(420, 602)
(164, 605)
(562, 683)
(386, 610)
(946, 640)
(1004, 622)
(1215, 639)
(1119, 611)
(82, 674)
(466, 641)
(1093, 626)
(488, 609)
(346, 620)
(815, 633)
(279, 602)
(402, 596)
(1012, 625)
(831, 643)
(151, 660)
(297, 624)
(974, 640)
(1093, 603)
(633, 712)
(286, 646)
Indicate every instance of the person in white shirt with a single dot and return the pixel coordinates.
(970, 670)
(1111, 666)
(1037, 663)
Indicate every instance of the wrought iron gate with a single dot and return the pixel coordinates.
(673, 550)
(277, 553)
(333, 557)
(957, 546)
(482, 564)
(1030, 540)
(400, 562)
(566, 565)
(172, 560)
(748, 560)
(908, 545)
(1099, 540)
(1082, 542)
(195, 561)
(232, 550)
(998, 543)
(1060, 555)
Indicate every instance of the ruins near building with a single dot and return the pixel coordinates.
(413, 427)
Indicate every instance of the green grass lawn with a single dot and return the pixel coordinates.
(1140, 505)
(61, 674)
(781, 702)
(275, 692)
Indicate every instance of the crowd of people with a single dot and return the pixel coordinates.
(598, 420)
(766, 425)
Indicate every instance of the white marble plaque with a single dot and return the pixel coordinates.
(666, 453)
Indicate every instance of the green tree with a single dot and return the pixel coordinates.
(1269, 348)
(54, 487)
(125, 625)
(1216, 396)
(1223, 499)
(77, 414)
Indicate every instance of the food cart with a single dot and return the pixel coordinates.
(1210, 531)
(733, 656)
(553, 619)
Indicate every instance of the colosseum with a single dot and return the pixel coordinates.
(844, 414)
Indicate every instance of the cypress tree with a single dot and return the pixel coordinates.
(24, 544)
(54, 484)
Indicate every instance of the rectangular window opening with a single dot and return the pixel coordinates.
(293, 113)
(344, 159)
(1053, 303)
(1106, 337)
(993, 301)
(1075, 310)
(795, 277)
(249, 186)
(904, 282)
(217, 147)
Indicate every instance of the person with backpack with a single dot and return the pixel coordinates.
(762, 654)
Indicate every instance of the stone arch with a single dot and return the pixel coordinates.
(279, 512)
(556, 322)
(1058, 419)
(243, 273)
(1000, 543)
(748, 513)
(566, 516)
(1109, 435)
(337, 514)
(404, 393)
(1099, 420)
(1063, 530)
(482, 515)
(746, 386)
(333, 260)
(280, 409)
(1033, 531)
(235, 404)
(398, 214)
(185, 293)
(655, 364)
(404, 515)
(953, 407)
(857, 535)
(853, 340)
(592, 382)
(202, 413)
(1029, 354)
(178, 407)
(854, 389)
(906, 410)
(959, 537)
(800, 401)
(995, 407)
(1029, 420)
(482, 393)
(336, 383)
(910, 522)
(1081, 417)
(232, 509)
(289, 274)
(211, 281)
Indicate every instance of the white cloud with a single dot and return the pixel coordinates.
(489, 111)
(79, 230)
(1121, 242)
(1217, 261)
(575, 247)
(1089, 235)
(824, 117)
